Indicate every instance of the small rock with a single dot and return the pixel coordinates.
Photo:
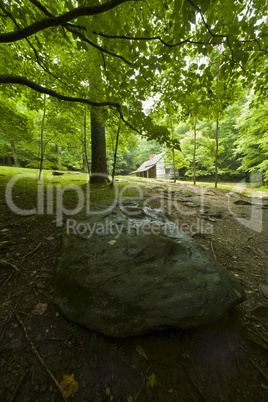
(264, 290)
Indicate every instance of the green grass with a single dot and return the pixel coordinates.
(27, 184)
(31, 176)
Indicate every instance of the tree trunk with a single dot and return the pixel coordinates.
(85, 157)
(98, 150)
(173, 153)
(115, 153)
(42, 140)
(14, 153)
(85, 165)
(194, 164)
(58, 156)
(216, 151)
(217, 131)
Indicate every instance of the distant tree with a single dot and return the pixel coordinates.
(252, 145)
(16, 126)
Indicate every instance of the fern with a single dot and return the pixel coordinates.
(141, 352)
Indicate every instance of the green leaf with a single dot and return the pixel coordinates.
(202, 49)
(192, 17)
(69, 5)
(151, 380)
(178, 6)
(165, 57)
(53, 10)
(242, 56)
(112, 242)
(204, 5)
(217, 40)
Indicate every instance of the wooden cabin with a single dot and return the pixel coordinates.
(156, 168)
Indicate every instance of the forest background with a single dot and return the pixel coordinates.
(182, 76)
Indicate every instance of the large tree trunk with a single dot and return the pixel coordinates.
(98, 150)
(14, 154)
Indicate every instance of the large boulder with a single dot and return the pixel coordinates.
(130, 270)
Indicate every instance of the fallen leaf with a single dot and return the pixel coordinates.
(69, 385)
(151, 380)
(112, 242)
(107, 391)
(40, 309)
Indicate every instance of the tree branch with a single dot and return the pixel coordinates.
(81, 36)
(39, 59)
(149, 39)
(48, 14)
(71, 28)
(15, 79)
(204, 21)
(59, 20)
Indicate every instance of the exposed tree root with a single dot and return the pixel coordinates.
(40, 358)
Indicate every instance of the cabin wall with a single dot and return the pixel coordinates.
(162, 170)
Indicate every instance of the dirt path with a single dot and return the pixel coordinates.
(238, 187)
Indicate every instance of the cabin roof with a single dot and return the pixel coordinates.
(150, 163)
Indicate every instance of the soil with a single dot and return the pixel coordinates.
(222, 361)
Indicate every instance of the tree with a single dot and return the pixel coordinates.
(98, 149)
(252, 146)
(15, 125)
(134, 52)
